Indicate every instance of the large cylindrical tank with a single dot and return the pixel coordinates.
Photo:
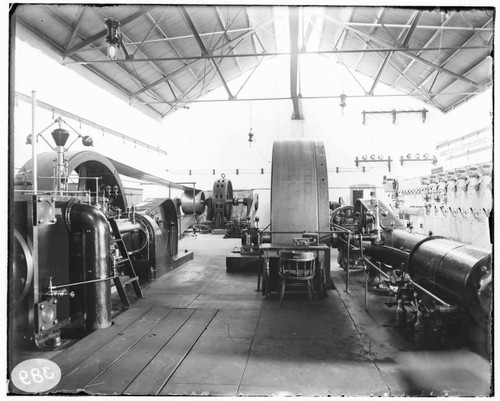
(402, 239)
(395, 247)
(456, 272)
(459, 273)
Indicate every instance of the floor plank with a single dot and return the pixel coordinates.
(214, 360)
(116, 379)
(96, 363)
(69, 358)
(233, 323)
(151, 380)
(214, 390)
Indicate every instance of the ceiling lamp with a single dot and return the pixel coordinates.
(112, 37)
(342, 102)
(250, 137)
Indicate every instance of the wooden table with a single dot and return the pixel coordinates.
(269, 251)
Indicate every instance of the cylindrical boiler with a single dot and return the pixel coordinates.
(458, 272)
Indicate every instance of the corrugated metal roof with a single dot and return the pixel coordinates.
(172, 55)
(450, 50)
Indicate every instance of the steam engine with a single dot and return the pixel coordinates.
(65, 247)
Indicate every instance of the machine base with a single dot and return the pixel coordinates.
(238, 263)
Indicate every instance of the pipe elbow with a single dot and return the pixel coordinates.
(87, 217)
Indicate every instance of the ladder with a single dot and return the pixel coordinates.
(126, 273)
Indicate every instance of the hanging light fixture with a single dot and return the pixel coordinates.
(250, 137)
(342, 102)
(112, 37)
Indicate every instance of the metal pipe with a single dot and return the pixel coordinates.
(283, 98)
(90, 237)
(128, 226)
(360, 236)
(34, 172)
(194, 198)
(59, 175)
(390, 255)
(428, 292)
(304, 232)
(34, 167)
(348, 257)
(376, 268)
(55, 287)
(411, 281)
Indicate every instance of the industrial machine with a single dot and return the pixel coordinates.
(299, 210)
(75, 236)
(223, 208)
(442, 288)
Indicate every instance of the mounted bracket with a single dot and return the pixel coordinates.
(394, 113)
(373, 159)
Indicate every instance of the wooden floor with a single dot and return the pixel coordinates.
(202, 331)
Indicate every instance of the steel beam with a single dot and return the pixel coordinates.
(174, 38)
(272, 54)
(288, 98)
(204, 50)
(294, 61)
(462, 47)
(433, 81)
(416, 19)
(172, 90)
(149, 32)
(467, 73)
(225, 35)
(249, 76)
(137, 77)
(310, 27)
(186, 93)
(249, 23)
(76, 27)
(426, 95)
(372, 30)
(418, 58)
(341, 39)
(102, 34)
(120, 65)
(159, 81)
(172, 46)
(431, 27)
(427, 44)
(60, 50)
(341, 45)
